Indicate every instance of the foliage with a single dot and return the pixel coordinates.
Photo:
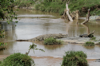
(74, 58)
(6, 10)
(89, 43)
(34, 47)
(51, 41)
(93, 38)
(23, 3)
(58, 6)
(2, 45)
(1, 33)
(49, 6)
(17, 59)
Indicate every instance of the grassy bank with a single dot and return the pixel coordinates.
(59, 6)
(24, 3)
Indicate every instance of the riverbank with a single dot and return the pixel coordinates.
(51, 61)
(81, 5)
(59, 6)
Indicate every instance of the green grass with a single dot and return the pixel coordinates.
(17, 59)
(52, 41)
(23, 3)
(59, 6)
(89, 43)
(74, 58)
(93, 38)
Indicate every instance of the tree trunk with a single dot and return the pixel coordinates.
(67, 13)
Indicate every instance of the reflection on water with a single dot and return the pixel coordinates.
(9, 31)
(89, 47)
(2, 48)
(49, 47)
(30, 27)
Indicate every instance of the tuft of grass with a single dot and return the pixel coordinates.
(93, 38)
(89, 43)
(17, 59)
(52, 41)
(75, 58)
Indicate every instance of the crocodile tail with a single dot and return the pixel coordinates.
(22, 40)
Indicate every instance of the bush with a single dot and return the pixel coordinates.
(17, 59)
(93, 38)
(73, 58)
(51, 41)
(89, 44)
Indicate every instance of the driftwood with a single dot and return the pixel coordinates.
(67, 13)
(70, 16)
(64, 16)
(87, 17)
(90, 35)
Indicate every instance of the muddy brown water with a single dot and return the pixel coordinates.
(34, 23)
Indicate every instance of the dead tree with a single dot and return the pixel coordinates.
(87, 17)
(66, 12)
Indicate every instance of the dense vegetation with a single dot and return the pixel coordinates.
(52, 41)
(58, 6)
(89, 43)
(75, 58)
(6, 10)
(93, 38)
(17, 59)
(23, 3)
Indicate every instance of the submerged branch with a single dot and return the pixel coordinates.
(87, 17)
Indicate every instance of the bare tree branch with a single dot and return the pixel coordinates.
(87, 17)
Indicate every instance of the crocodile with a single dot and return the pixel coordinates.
(45, 36)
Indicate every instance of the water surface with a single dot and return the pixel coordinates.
(34, 23)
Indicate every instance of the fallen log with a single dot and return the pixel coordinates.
(90, 35)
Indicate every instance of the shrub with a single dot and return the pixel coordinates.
(51, 41)
(89, 44)
(93, 38)
(2, 45)
(73, 58)
(17, 59)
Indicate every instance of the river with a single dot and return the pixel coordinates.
(34, 23)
